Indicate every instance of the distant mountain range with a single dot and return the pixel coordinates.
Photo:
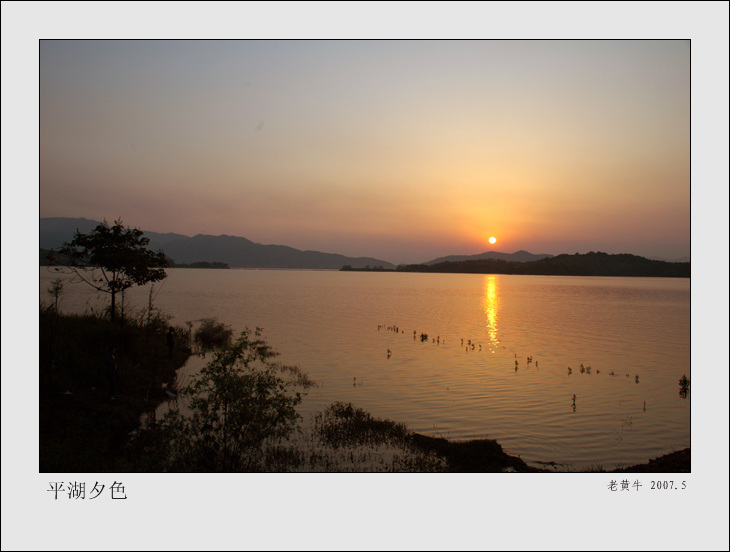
(232, 250)
(518, 256)
(239, 252)
(587, 264)
(522, 256)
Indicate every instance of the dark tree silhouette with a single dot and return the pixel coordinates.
(112, 259)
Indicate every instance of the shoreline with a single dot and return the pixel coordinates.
(487, 456)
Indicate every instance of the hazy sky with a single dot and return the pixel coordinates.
(400, 150)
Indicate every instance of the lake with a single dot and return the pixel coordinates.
(504, 357)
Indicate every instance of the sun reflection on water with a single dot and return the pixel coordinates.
(491, 307)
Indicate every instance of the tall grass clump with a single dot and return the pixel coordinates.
(345, 438)
(212, 334)
(344, 424)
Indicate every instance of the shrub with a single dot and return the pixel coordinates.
(240, 402)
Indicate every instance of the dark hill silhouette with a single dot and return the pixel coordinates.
(588, 264)
(232, 250)
(520, 256)
(54, 231)
(240, 252)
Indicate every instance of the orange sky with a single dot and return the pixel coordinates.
(400, 150)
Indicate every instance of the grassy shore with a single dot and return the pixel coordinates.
(82, 429)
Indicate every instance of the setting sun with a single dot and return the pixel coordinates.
(492, 240)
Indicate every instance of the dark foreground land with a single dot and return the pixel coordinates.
(82, 429)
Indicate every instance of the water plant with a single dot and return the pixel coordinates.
(684, 386)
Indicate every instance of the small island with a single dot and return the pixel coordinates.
(202, 264)
(367, 268)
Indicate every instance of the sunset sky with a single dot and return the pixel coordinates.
(400, 150)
